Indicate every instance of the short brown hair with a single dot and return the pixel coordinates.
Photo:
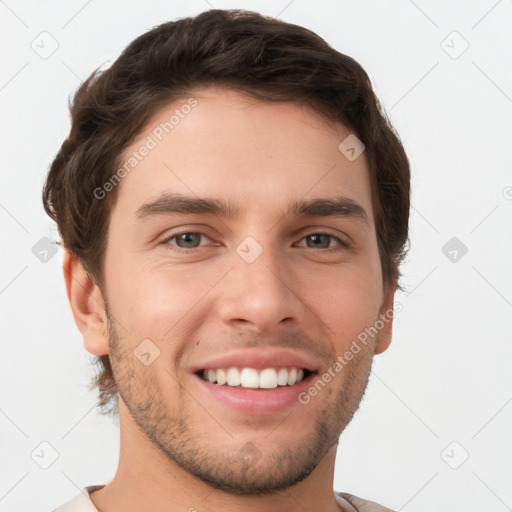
(257, 55)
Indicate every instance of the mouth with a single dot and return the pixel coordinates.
(257, 382)
(255, 378)
(253, 391)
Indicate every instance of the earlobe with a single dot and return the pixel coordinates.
(386, 316)
(86, 303)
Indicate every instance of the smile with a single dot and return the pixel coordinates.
(266, 378)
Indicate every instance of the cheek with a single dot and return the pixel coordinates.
(347, 301)
(159, 300)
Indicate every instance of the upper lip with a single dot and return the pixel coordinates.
(258, 359)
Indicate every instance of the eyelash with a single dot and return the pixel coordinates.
(177, 249)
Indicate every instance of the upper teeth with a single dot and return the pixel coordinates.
(268, 378)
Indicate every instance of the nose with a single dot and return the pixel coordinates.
(260, 296)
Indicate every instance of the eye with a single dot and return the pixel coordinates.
(322, 241)
(184, 241)
(187, 241)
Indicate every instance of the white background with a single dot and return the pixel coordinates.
(446, 376)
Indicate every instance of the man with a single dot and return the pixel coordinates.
(234, 208)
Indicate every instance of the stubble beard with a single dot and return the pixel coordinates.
(239, 471)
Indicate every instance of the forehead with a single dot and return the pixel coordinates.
(257, 155)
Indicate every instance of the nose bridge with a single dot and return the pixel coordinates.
(259, 289)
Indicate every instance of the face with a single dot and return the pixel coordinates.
(233, 287)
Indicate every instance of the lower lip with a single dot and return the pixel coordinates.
(256, 401)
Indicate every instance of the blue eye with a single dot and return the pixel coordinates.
(187, 241)
(322, 241)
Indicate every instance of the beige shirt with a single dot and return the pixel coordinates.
(82, 502)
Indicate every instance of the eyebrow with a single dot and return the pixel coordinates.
(177, 203)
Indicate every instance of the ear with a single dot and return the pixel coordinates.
(386, 315)
(87, 305)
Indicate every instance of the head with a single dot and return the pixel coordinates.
(245, 115)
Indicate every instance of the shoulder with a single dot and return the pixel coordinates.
(363, 505)
(81, 502)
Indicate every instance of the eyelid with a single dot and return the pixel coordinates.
(167, 238)
(315, 231)
(345, 242)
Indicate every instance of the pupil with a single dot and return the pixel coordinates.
(185, 237)
(317, 237)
